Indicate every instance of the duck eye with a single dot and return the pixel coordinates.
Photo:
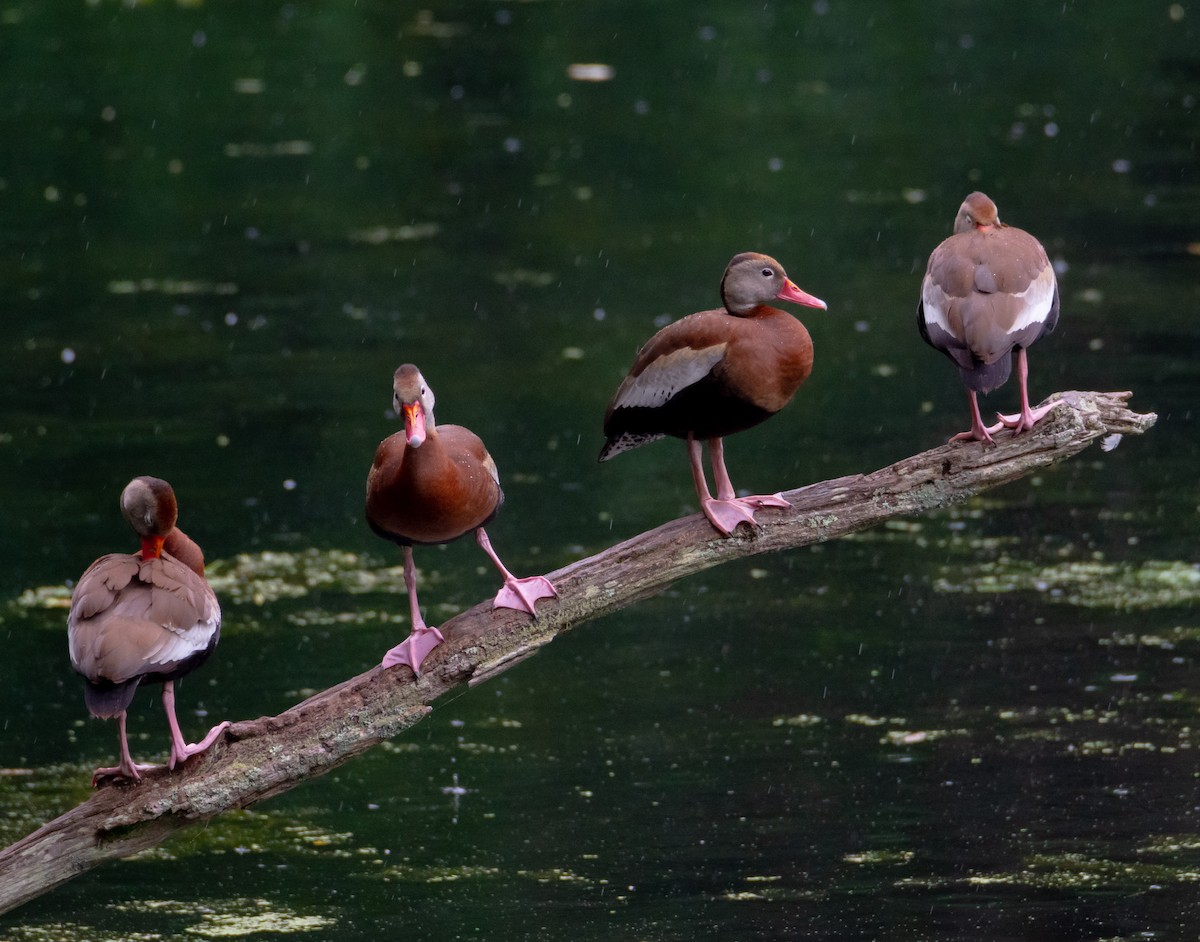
(767, 273)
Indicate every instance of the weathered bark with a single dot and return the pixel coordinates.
(260, 758)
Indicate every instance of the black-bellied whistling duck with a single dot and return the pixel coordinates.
(710, 374)
(143, 618)
(432, 484)
(989, 290)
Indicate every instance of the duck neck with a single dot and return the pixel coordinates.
(185, 549)
(152, 546)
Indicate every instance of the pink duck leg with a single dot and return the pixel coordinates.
(422, 639)
(128, 768)
(180, 750)
(1024, 420)
(979, 432)
(519, 594)
(726, 511)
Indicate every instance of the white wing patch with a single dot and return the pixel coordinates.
(667, 375)
(1038, 298)
(178, 644)
(932, 300)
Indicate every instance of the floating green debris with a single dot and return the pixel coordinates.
(270, 576)
(1092, 870)
(800, 719)
(771, 894)
(889, 858)
(72, 932)
(267, 577)
(1176, 636)
(411, 873)
(252, 832)
(553, 875)
(171, 286)
(862, 719)
(218, 919)
(1087, 583)
(274, 149)
(914, 737)
(28, 797)
(1172, 844)
(1069, 872)
(317, 617)
(522, 276)
(46, 596)
(380, 235)
(240, 917)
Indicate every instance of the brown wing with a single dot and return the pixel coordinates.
(681, 357)
(710, 374)
(985, 292)
(678, 356)
(131, 618)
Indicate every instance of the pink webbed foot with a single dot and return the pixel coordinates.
(128, 769)
(981, 434)
(523, 594)
(1024, 421)
(179, 756)
(413, 649)
(978, 431)
(725, 515)
(132, 772)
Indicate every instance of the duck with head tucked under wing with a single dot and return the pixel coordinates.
(144, 618)
(989, 290)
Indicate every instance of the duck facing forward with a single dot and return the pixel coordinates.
(989, 291)
(714, 373)
(143, 618)
(432, 484)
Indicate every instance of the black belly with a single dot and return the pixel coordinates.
(705, 409)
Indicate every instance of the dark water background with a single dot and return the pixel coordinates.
(222, 226)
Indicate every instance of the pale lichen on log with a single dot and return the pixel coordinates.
(260, 758)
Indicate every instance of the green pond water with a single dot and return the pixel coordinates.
(223, 225)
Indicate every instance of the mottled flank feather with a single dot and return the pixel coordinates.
(627, 441)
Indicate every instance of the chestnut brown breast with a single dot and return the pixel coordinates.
(435, 493)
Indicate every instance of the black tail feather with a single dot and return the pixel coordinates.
(107, 701)
(987, 376)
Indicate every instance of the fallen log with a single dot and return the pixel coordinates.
(257, 759)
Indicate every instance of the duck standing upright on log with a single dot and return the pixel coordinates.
(989, 290)
(714, 373)
(143, 618)
(432, 484)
